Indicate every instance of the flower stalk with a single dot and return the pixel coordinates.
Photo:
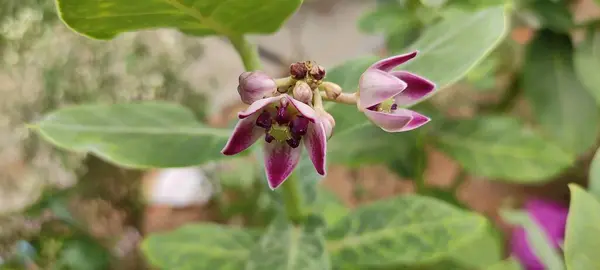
(291, 199)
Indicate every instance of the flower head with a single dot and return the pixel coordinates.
(285, 123)
(382, 93)
(255, 85)
(552, 218)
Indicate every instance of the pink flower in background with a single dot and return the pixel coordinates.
(382, 92)
(285, 123)
(552, 218)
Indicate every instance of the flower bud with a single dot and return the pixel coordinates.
(328, 122)
(332, 90)
(255, 85)
(317, 72)
(298, 70)
(302, 92)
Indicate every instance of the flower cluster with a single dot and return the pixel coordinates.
(288, 112)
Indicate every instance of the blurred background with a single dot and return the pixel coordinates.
(44, 66)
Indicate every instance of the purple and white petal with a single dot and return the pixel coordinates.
(390, 63)
(315, 142)
(375, 86)
(257, 106)
(280, 161)
(244, 135)
(418, 88)
(304, 109)
(417, 120)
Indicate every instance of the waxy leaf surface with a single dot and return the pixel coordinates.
(582, 240)
(137, 135)
(105, 19)
(200, 246)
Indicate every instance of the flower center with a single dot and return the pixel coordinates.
(283, 125)
(386, 106)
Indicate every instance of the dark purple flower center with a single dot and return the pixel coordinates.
(282, 125)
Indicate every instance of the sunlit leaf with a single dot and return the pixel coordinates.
(407, 230)
(508, 264)
(500, 147)
(106, 19)
(200, 246)
(582, 240)
(287, 247)
(537, 239)
(594, 176)
(565, 110)
(587, 63)
(138, 135)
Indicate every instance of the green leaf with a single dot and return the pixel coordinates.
(330, 206)
(565, 110)
(200, 246)
(587, 63)
(433, 3)
(385, 18)
(508, 264)
(83, 253)
(105, 19)
(594, 176)
(482, 251)
(553, 15)
(539, 241)
(448, 50)
(582, 240)
(139, 135)
(408, 230)
(286, 247)
(500, 147)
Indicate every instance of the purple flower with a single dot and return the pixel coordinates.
(285, 123)
(255, 85)
(382, 92)
(552, 218)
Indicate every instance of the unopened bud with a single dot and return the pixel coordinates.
(298, 70)
(302, 92)
(317, 72)
(255, 85)
(332, 90)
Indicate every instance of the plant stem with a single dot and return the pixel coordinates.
(344, 98)
(292, 200)
(247, 51)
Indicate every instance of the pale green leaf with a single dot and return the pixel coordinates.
(500, 147)
(508, 264)
(484, 250)
(539, 241)
(287, 247)
(582, 240)
(407, 230)
(448, 50)
(587, 63)
(200, 246)
(105, 19)
(565, 110)
(433, 3)
(594, 176)
(138, 135)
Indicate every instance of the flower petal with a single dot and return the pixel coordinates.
(256, 106)
(304, 109)
(398, 121)
(244, 135)
(375, 86)
(315, 142)
(280, 161)
(552, 216)
(520, 248)
(418, 87)
(390, 63)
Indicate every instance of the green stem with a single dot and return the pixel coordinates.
(247, 51)
(292, 200)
